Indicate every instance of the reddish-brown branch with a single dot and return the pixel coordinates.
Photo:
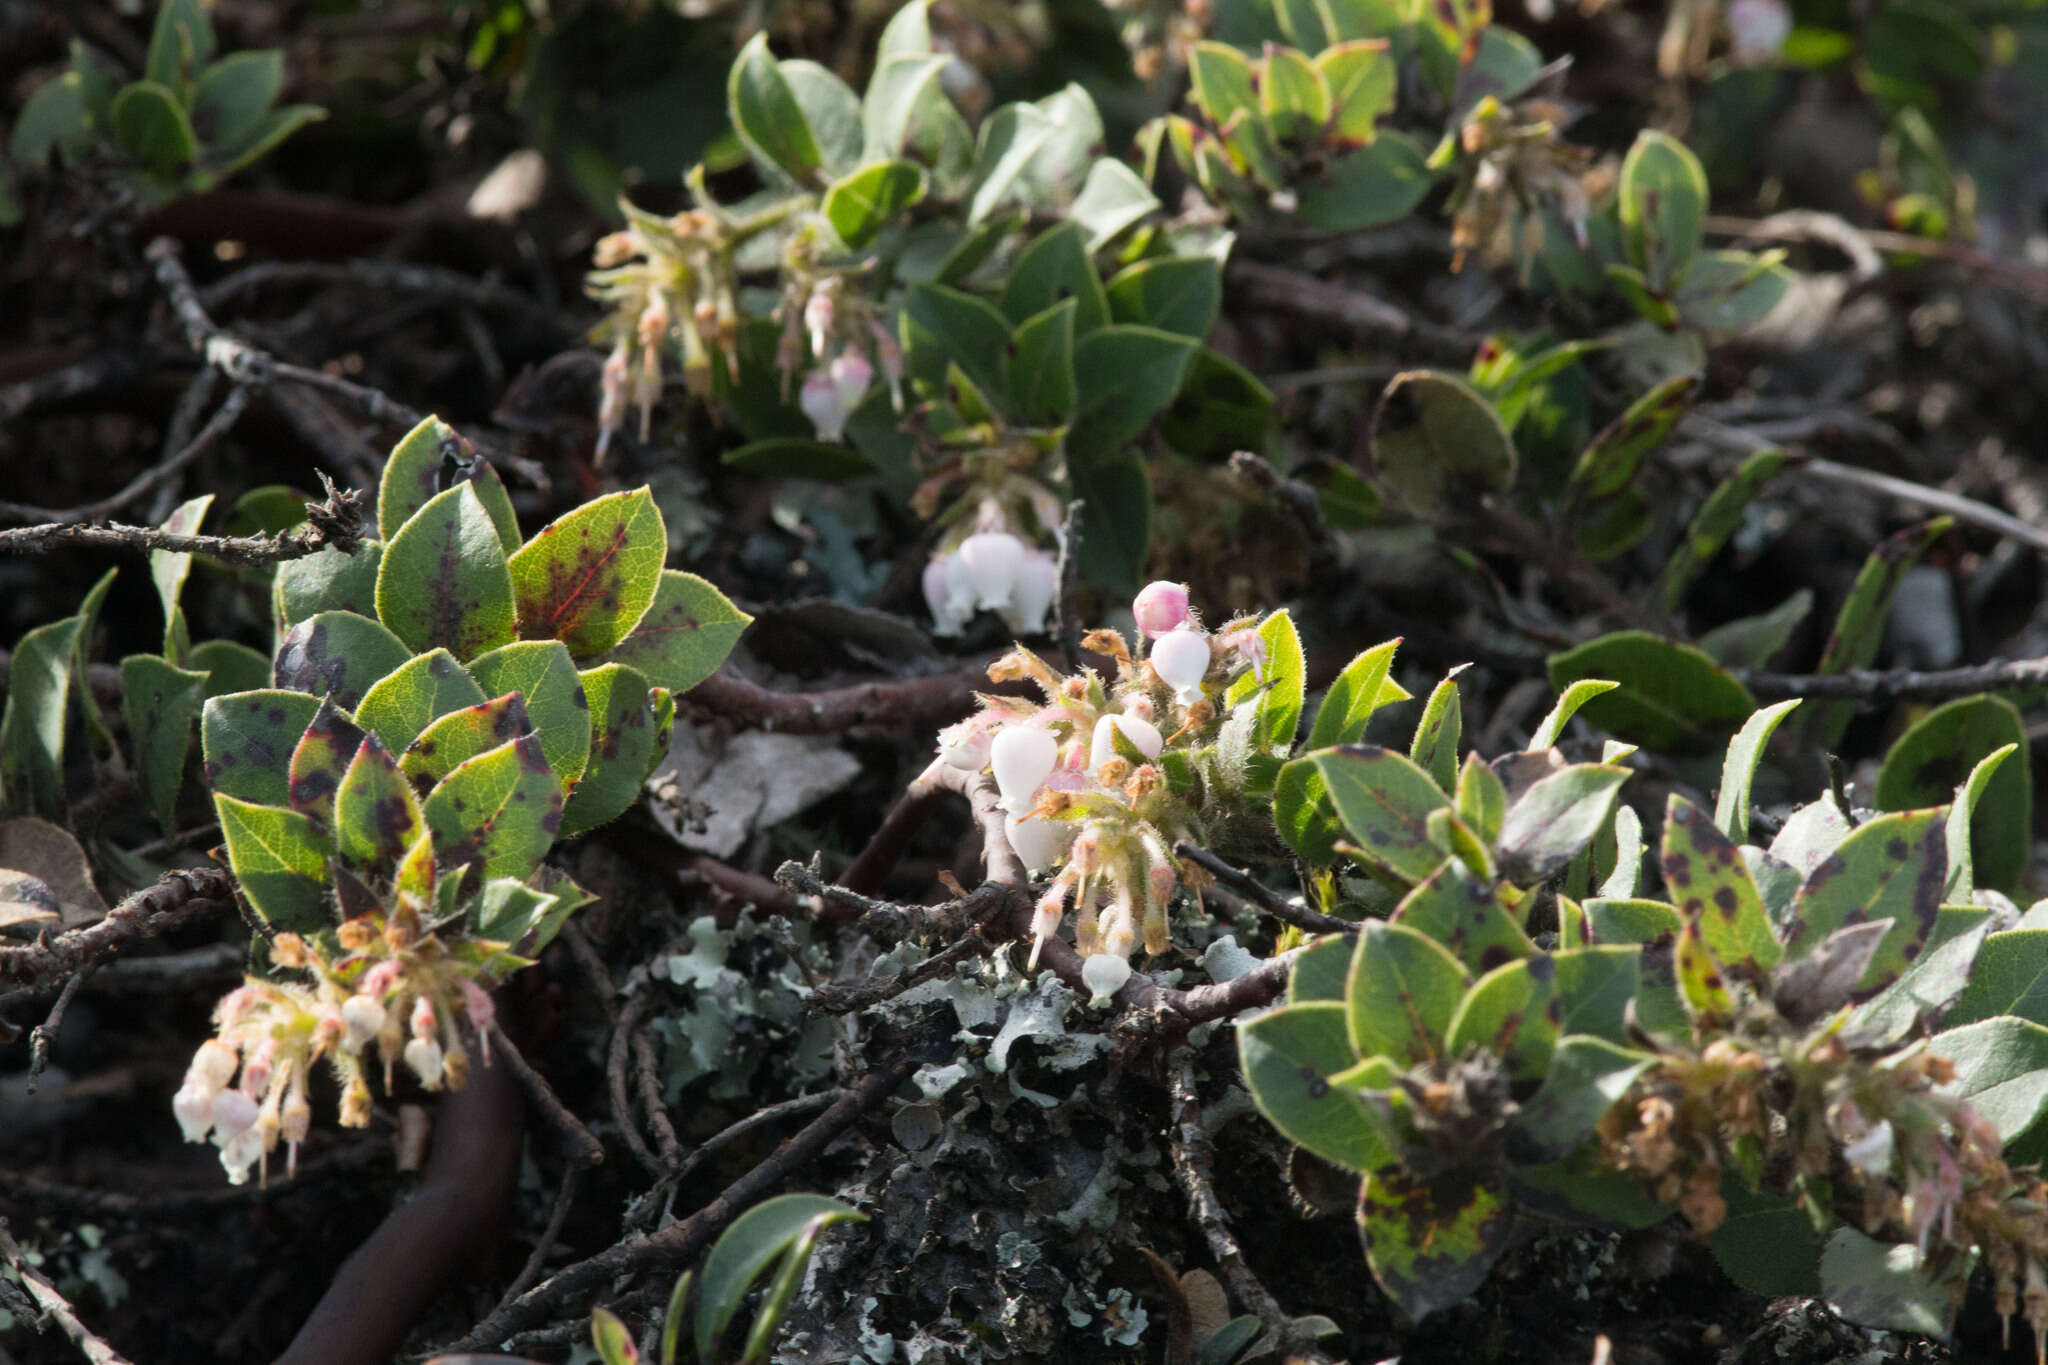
(181, 898)
(908, 703)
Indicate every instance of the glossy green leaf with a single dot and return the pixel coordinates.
(407, 700)
(1385, 801)
(2009, 977)
(1738, 770)
(861, 204)
(1437, 734)
(746, 1248)
(621, 741)
(1282, 688)
(685, 635)
(766, 115)
(427, 461)
(1513, 1012)
(1859, 625)
(376, 815)
(1465, 914)
(1672, 698)
(160, 702)
(542, 672)
(444, 582)
(832, 112)
(1361, 76)
(1663, 201)
(1611, 461)
(330, 743)
(1936, 759)
(1289, 1057)
(1548, 825)
(1056, 267)
(1293, 95)
(1432, 1241)
(1223, 80)
(498, 811)
(461, 735)
(1401, 993)
(1482, 800)
(1437, 442)
(1180, 294)
(1009, 139)
(1124, 377)
(279, 859)
(246, 740)
(338, 654)
(1041, 366)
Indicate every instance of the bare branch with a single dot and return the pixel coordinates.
(906, 703)
(54, 1305)
(182, 897)
(1320, 300)
(582, 1144)
(1248, 886)
(1898, 685)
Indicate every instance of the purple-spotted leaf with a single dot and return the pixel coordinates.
(1385, 801)
(430, 459)
(1431, 1241)
(279, 858)
(444, 580)
(337, 654)
(160, 701)
(1892, 867)
(246, 741)
(1587, 1077)
(1700, 983)
(417, 874)
(589, 577)
(326, 580)
(322, 755)
(1711, 886)
(499, 811)
(1289, 1057)
(1466, 916)
(685, 635)
(1401, 993)
(1555, 819)
(410, 698)
(376, 816)
(461, 735)
(622, 738)
(542, 673)
(1514, 1013)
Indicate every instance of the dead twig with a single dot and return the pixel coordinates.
(885, 847)
(582, 1144)
(647, 1082)
(759, 1119)
(54, 1307)
(182, 897)
(1248, 886)
(336, 522)
(1068, 575)
(565, 1196)
(1898, 685)
(898, 704)
(615, 1081)
(395, 277)
(682, 1242)
(44, 1034)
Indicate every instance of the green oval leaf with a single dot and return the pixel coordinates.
(766, 115)
(444, 581)
(863, 203)
(326, 580)
(160, 701)
(589, 577)
(411, 697)
(376, 816)
(746, 1248)
(1893, 867)
(338, 654)
(461, 735)
(621, 741)
(1663, 204)
(1376, 184)
(1385, 802)
(246, 741)
(1465, 915)
(151, 124)
(1401, 993)
(1289, 1057)
(1934, 762)
(1514, 1013)
(279, 858)
(497, 812)
(685, 635)
(542, 672)
(1672, 698)
(1436, 441)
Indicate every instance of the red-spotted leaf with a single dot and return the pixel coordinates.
(589, 577)
(1466, 916)
(542, 673)
(279, 858)
(1400, 995)
(1711, 886)
(499, 811)
(322, 755)
(430, 459)
(410, 698)
(685, 635)
(1892, 867)
(461, 735)
(376, 816)
(1431, 1241)
(622, 737)
(337, 654)
(1514, 1013)
(444, 582)
(246, 740)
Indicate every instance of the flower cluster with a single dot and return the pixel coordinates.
(991, 569)
(1084, 778)
(843, 333)
(391, 988)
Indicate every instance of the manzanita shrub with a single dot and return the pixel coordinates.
(1804, 1047)
(192, 119)
(445, 704)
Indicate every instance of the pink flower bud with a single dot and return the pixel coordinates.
(424, 1022)
(1160, 607)
(966, 745)
(378, 981)
(479, 1006)
(821, 402)
(213, 1066)
(819, 314)
(1140, 706)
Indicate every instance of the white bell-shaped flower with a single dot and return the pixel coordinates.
(965, 745)
(1038, 842)
(1181, 659)
(947, 594)
(193, 1104)
(361, 1018)
(213, 1066)
(423, 1055)
(232, 1112)
(241, 1152)
(1104, 975)
(1141, 734)
(1031, 596)
(1023, 757)
(851, 374)
(992, 559)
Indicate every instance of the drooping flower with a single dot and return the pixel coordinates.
(992, 560)
(1023, 757)
(1181, 659)
(1031, 596)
